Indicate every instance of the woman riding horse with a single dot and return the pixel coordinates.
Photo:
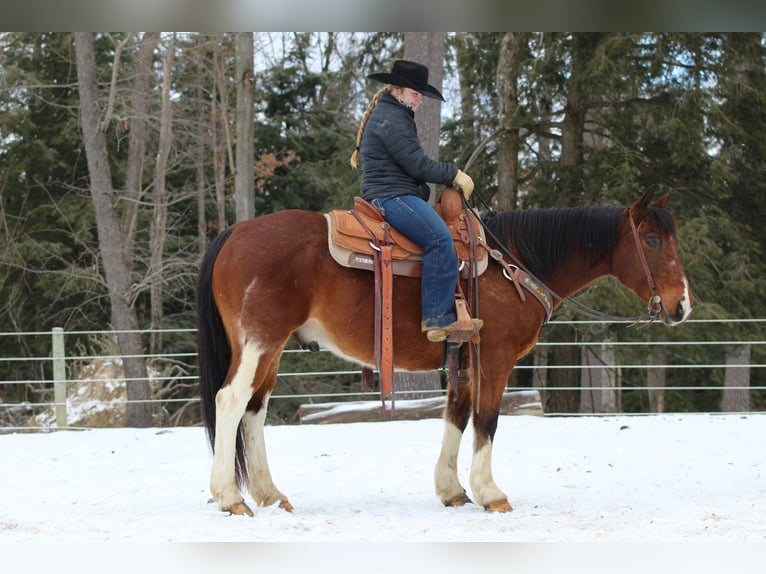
(395, 176)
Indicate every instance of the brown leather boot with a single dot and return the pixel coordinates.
(439, 334)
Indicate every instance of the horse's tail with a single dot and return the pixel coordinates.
(213, 349)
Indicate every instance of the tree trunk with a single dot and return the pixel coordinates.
(245, 77)
(570, 187)
(563, 394)
(540, 373)
(137, 124)
(219, 165)
(218, 132)
(512, 50)
(656, 379)
(599, 392)
(426, 48)
(736, 392)
(199, 158)
(110, 239)
(573, 128)
(158, 227)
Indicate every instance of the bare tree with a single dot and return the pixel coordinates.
(111, 240)
(219, 119)
(200, 147)
(137, 125)
(158, 226)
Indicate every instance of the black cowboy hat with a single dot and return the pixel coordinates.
(409, 75)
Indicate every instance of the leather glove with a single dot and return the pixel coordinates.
(464, 183)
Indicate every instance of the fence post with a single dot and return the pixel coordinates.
(59, 376)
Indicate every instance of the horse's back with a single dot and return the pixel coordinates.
(281, 230)
(282, 238)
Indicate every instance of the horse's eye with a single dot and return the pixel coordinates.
(652, 241)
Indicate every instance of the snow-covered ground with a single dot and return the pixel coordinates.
(664, 478)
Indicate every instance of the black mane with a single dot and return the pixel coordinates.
(546, 237)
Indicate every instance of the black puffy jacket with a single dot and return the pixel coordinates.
(392, 159)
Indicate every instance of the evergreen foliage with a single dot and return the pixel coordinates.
(599, 117)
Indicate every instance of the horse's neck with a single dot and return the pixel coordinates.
(576, 274)
(582, 253)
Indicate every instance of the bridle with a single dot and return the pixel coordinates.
(654, 305)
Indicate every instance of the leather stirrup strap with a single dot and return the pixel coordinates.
(386, 366)
(378, 309)
(384, 312)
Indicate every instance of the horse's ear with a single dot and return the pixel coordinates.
(661, 202)
(648, 195)
(639, 209)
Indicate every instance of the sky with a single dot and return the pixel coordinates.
(687, 484)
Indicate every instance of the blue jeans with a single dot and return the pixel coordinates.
(420, 223)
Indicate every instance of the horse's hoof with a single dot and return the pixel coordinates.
(499, 506)
(460, 500)
(240, 509)
(285, 505)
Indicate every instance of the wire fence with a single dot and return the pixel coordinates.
(63, 370)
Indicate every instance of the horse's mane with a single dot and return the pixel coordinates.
(546, 237)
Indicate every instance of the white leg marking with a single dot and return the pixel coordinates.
(261, 486)
(230, 404)
(448, 486)
(483, 486)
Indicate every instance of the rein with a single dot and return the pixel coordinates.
(653, 306)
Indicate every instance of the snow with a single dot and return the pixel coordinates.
(679, 478)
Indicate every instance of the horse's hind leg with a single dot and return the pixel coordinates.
(260, 484)
(230, 404)
(456, 415)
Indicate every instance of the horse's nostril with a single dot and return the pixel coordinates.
(683, 310)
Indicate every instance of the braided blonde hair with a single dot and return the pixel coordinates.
(355, 156)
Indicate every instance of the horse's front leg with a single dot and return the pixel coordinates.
(456, 415)
(483, 487)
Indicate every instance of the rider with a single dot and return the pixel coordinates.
(395, 177)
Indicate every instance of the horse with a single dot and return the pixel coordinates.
(266, 279)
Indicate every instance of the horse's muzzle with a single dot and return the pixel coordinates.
(682, 312)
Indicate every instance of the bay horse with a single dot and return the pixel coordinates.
(266, 279)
